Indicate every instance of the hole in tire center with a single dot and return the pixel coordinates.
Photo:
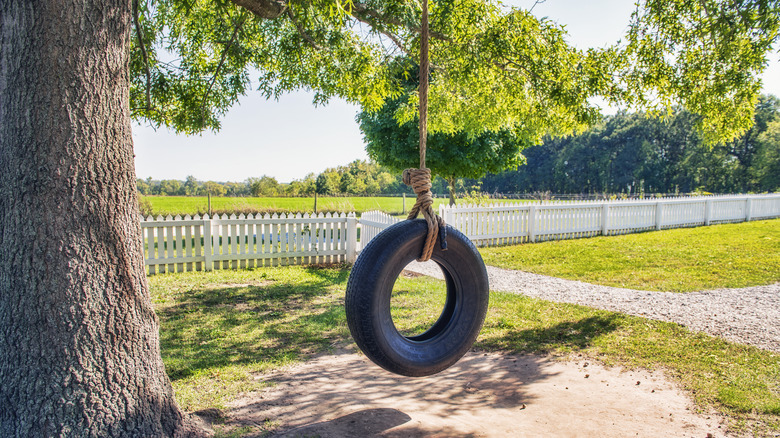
(418, 298)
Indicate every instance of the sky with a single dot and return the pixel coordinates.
(289, 138)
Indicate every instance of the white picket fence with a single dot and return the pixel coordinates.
(557, 220)
(372, 223)
(194, 243)
(528, 222)
(202, 243)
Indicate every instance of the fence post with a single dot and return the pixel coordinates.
(748, 205)
(207, 251)
(445, 213)
(707, 211)
(351, 238)
(659, 214)
(605, 219)
(532, 223)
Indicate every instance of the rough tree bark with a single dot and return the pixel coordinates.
(79, 341)
(451, 184)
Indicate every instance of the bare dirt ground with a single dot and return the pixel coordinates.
(484, 395)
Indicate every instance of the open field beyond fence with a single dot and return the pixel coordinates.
(192, 205)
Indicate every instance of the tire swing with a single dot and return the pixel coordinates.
(373, 275)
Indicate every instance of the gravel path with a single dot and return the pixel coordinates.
(749, 316)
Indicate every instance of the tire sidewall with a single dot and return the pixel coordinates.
(369, 292)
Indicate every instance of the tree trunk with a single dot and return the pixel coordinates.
(79, 341)
(451, 183)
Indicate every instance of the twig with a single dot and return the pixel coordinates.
(221, 62)
(534, 5)
(301, 30)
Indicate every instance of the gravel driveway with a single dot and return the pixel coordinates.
(749, 315)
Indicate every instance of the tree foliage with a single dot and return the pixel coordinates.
(449, 155)
(635, 152)
(493, 68)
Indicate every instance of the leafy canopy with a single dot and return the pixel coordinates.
(449, 155)
(493, 68)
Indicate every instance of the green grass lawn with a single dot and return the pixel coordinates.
(192, 205)
(218, 328)
(678, 260)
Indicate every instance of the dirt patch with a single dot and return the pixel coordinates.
(483, 395)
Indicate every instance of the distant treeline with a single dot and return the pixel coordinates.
(357, 178)
(630, 153)
(637, 152)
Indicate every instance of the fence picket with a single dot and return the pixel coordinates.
(176, 244)
(522, 222)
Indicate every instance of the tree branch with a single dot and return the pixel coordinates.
(221, 63)
(368, 14)
(268, 9)
(139, 35)
(537, 2)
(301, 30)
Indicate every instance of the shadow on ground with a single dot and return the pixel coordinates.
(376, 402)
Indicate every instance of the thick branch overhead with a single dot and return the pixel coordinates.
(268, 9)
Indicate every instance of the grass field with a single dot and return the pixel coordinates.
(218, 328)
(192, 205)
(678, 260)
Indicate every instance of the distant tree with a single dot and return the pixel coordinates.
(171, 187)
(372, 186)
(191, 186)
(451, 156)
(308, 184)
(236, 189)
(143, 187)
(744, 149)
(660, 154)
(346, 183)
(263, 186)
(212, 188)
(327, 183)
(766, 170)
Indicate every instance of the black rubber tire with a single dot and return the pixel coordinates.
(370, 287)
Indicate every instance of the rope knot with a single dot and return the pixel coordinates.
(420, 180)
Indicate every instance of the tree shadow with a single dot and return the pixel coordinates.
(281, 321)
(363, 423)
(315, 398)
(568, 336)
(211, 327)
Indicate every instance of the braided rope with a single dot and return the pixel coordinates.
(420, 180)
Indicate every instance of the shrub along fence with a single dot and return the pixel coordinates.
(204, 243)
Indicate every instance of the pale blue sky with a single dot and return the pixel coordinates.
(288, 138)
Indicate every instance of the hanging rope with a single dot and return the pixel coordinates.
(420, 179)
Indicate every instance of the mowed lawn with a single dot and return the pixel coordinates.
(220, 329)
(677, 260)
(192, 205)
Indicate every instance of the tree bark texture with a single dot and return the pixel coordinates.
(79, 340)
(451, 183)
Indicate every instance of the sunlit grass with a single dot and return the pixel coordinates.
(192, 205)
(678, 260)
(413, 312)
(218, 329)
